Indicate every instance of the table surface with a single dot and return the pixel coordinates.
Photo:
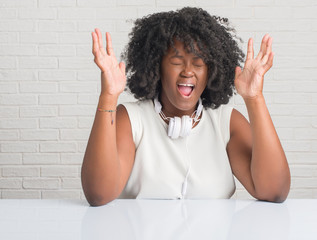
(158, 219)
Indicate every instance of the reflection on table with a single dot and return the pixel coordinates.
(158, 219)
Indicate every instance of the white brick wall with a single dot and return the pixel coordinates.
(49, 84)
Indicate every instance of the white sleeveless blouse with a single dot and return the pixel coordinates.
(161, 163)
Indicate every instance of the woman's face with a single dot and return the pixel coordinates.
(184, 78)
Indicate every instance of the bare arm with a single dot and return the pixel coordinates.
(255, 152)
(107, 164)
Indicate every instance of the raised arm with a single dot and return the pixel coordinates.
(255, 152)
(110, 150)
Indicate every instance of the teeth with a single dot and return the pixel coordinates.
(186, 85)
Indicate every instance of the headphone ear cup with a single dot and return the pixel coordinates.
(174, 127)
(186, 126)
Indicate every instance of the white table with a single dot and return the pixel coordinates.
(158, 219)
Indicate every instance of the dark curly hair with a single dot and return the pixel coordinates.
(151, 37)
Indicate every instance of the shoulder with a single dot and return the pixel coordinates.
(238, 123)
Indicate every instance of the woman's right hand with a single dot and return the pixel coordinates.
(113, 78)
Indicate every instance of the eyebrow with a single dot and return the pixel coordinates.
(181, 57)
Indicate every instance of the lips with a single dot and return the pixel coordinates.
(185, 88)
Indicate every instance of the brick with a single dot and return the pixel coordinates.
(53, 147)
(8, 37)
(76, 13)
(294, 3)
(19, 147)
(304, 183)
(57, 123)
(106, 25)
(38, 87)
(77, 134)
(88, 75)
(10, 158)
(83, 51)
(57, 99)
(19, 123)
(304, 158)
(78, 87)
(21, 171)
(18, 50)
(273, 12)
(294, 121)
(18, 3)
(71, 183)
(88, 99)
(37, 13)
(8, 62)
(82, 145)
(136, 3)
(98, 3)
(20, 194)
(39, 38)
(288, 25)
(72, 158)
(57, 75)
(285, 133)
(254, 3)
(8, 88)
(37, 62)
(305, 110)
(39, 134)
(10, 183)
(41, 183)
(38, 111)
(301, 62)
(300, 194)
(77, 110)
(75, 38)
(12, 99)
(305, 87)
(252, 25)
(123, 26)
(8, 13)
(17, 25)
(296, 98)
(76, 63)
(314, 122)
(41, 158)
(297, 146)
(59, 171)
(297, 50)
(280, 109)
(18, 75)
(116, 13)
(85, 122)
(231, 13)
(9, 112)
(57, 3)
(56, 26)
(60, 194)
(9, 135)
(305, 12)
(302, 170)
(58, 50)
(295, 74)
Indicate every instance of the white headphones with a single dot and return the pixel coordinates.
(179, 126)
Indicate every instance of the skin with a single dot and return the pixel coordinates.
(255, 153)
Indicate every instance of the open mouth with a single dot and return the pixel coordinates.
(185, 89)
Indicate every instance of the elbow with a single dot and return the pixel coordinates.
(97, 201)
(275, 195)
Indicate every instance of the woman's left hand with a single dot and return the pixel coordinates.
(249, 81)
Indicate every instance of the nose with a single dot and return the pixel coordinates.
(187, 71)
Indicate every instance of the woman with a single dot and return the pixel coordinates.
(181, 140)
